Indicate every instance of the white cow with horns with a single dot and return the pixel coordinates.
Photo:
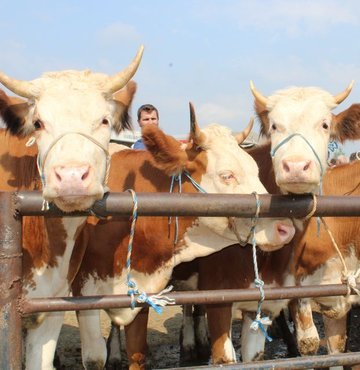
(70, 115)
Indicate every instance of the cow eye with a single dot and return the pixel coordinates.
(325, 126)
(105, 122)
(38, 125)
(227, 177)
(273, 127)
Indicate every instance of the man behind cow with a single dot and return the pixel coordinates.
(147, 114)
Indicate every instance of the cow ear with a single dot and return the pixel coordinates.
(263, 115)
(346, 125)
(123, 99)
(13, 112)
(166, 150)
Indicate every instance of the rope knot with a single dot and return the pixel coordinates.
(350, 280)
(259, 323)
(259, 283)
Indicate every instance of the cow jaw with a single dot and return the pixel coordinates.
(230, 170)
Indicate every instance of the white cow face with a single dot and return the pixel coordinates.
(230, 170)
(71, 114)
(300, 124)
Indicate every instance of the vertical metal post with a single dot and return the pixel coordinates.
(10, 285)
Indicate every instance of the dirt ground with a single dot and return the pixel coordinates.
(163, 336)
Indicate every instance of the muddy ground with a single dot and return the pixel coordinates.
(163, 336)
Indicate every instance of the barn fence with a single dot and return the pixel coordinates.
(13, 305)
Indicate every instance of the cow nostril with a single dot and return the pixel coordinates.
(307, 166)
(58, 177)
(85, 176)
(286, 166)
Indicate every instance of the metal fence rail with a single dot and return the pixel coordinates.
(12, 305)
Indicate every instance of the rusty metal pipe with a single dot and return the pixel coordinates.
(210, 205)
(308, 362)
(197, 297)
(10, 286)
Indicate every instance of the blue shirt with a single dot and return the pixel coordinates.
(139, 144)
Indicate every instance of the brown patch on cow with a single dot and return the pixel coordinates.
(18, 164)
(40, 250)
(313, 250)
(77, 255)
(345, 125)
(13, 112)
(153, 243)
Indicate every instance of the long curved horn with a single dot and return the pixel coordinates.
(195, 132)
(118, 81)
(339, 98)
(241, 136)
(258, 96)
(26, 89)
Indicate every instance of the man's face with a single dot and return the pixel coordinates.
(147, 118)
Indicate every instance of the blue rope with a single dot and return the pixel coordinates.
(316, 156)
(178, 178)
(259, 321)
(155, 301)
(197, 186)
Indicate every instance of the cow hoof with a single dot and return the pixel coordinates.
(113, 365)
(309, 346)
(94, 365)
(188, 356)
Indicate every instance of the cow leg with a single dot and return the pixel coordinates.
(335, 334)
(219, 322)
(286, 334)
(113, 345)
(93, 346)
(201, 333)
(252, 341)
(40, 342)
(306, 333)
(136, 343)
(187, 336)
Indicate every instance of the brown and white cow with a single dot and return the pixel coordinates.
(216, 162)
(294, 166)
(70, 114)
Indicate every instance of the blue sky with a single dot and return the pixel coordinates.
(204, 51)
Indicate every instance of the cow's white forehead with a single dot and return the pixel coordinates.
(53, 83)
(216, 134)
(300, 95)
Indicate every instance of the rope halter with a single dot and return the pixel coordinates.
(156, 301)
(288, 138)
(41, 163)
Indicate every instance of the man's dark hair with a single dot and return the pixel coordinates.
(147, 108)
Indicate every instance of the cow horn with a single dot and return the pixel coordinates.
(241, 136)
(339, 98)
(118, 81)
(25, 89)
(195, 132)
(258, 96)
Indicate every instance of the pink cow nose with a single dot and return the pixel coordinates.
(296, 167)
(72, 180)
(285, 231)
(71, 173)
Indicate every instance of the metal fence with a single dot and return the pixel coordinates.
(13, 305)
